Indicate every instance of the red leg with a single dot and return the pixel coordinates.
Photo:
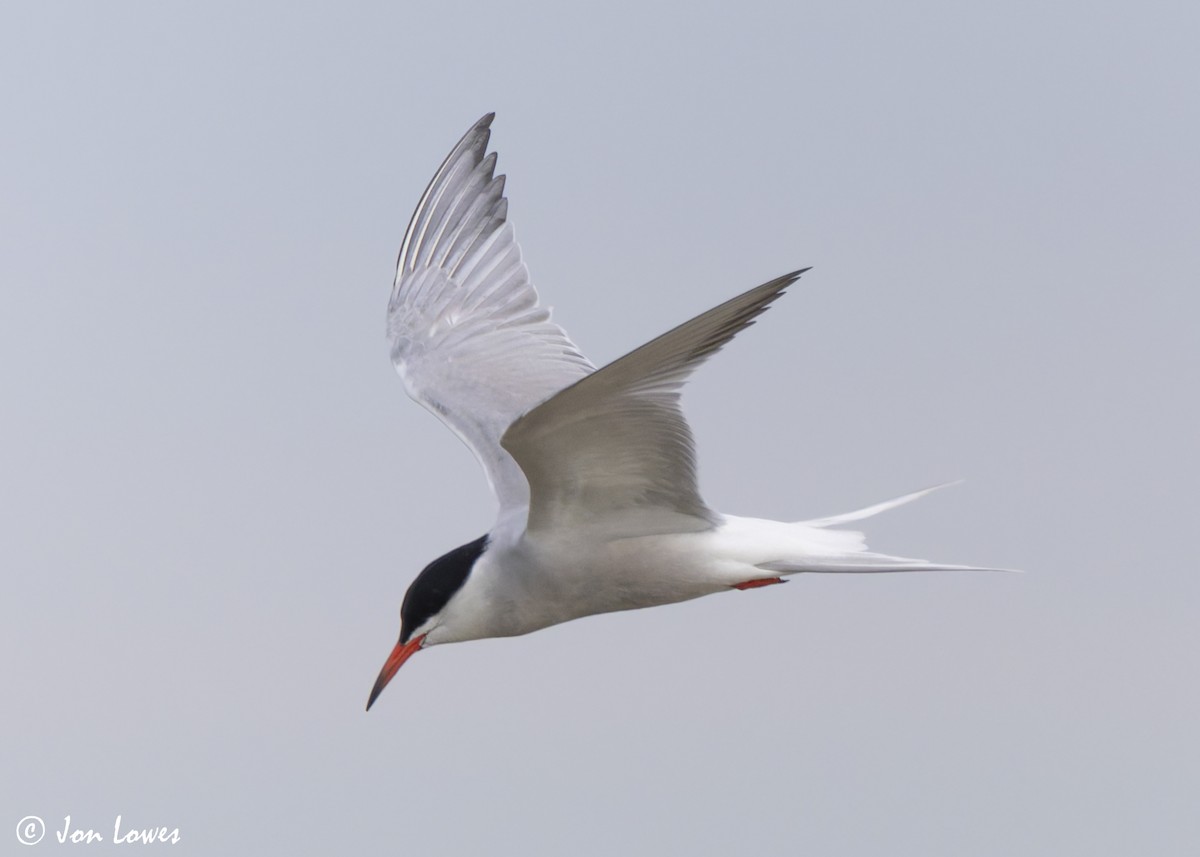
(762, 581)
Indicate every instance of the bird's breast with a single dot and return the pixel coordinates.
(536, 583)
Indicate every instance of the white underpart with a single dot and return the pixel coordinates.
(524, 583)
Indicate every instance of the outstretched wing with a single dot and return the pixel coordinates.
(615, 443)
(468, 336)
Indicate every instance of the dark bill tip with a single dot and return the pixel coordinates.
(391, 666)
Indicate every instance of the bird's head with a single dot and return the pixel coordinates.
(423, 611)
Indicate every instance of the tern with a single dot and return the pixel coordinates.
(594, 469)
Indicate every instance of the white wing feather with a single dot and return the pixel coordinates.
(467, 333)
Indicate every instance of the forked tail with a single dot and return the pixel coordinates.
(845, 551)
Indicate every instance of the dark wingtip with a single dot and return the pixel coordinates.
(778, 286)
(787, 280)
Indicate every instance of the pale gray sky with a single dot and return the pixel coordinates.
(215, 491)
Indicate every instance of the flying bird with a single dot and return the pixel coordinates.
(594, 469)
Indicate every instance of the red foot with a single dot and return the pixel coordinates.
(762, 581)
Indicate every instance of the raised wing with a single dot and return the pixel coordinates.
(616, 442)
(468, 336)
